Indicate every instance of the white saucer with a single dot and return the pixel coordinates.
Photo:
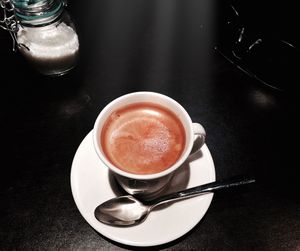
(91, 184)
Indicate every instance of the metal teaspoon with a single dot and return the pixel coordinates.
(127, 210)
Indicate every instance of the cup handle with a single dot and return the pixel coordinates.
(200, 135)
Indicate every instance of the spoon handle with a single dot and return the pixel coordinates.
(206, 188)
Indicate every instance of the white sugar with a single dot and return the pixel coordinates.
(52, 49)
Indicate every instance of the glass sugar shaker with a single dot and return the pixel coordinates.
(43, 32)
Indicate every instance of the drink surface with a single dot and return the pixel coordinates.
(143, 138)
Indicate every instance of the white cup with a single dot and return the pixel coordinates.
(148, 185)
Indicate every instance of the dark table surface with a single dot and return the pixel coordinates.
(167, 47)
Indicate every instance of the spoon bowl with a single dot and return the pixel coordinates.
(124, 210)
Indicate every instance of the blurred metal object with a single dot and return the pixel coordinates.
(9, 21)
(270, 60)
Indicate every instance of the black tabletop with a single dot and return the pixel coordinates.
(170, 47)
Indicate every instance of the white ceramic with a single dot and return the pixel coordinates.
(92, 184)
(149, 184)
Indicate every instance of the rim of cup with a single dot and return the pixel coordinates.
(136, 97)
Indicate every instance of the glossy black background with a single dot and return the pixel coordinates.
(164, 46)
